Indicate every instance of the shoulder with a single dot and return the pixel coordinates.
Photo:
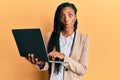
(81, 34)
(83, 38)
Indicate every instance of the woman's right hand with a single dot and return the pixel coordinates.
(34, 60)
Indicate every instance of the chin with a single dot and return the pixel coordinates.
(66, 29)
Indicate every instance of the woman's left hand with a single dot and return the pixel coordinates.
(55, 54)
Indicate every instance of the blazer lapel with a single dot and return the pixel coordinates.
(73, 53)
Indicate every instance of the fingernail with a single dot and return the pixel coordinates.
(31, 54)
(36, 59)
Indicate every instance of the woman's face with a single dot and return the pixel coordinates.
(67, 18)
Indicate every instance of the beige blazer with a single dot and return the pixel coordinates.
(78, 60)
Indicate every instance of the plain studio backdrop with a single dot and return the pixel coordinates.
(100, 19)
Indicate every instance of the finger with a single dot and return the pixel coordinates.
(37, 62)
(50, 55)
(29, 57)
(53, 51)
(55, 54)
(32, 56)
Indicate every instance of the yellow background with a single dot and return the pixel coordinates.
(100, 19)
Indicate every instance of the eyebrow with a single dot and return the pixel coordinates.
(69, 12)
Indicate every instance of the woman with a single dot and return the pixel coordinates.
(65, 43)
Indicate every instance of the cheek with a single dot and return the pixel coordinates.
(73, 21)
(62, 21)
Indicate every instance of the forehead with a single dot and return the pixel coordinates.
(67, 10)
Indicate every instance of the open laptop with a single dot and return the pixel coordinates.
(31, 41)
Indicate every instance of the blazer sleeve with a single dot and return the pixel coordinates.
(79, 67)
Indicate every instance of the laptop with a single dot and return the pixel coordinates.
(31, 41)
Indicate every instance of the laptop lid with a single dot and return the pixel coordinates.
(30, 41)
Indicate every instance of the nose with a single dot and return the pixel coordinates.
(66, 19)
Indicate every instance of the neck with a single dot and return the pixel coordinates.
(67, 33)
